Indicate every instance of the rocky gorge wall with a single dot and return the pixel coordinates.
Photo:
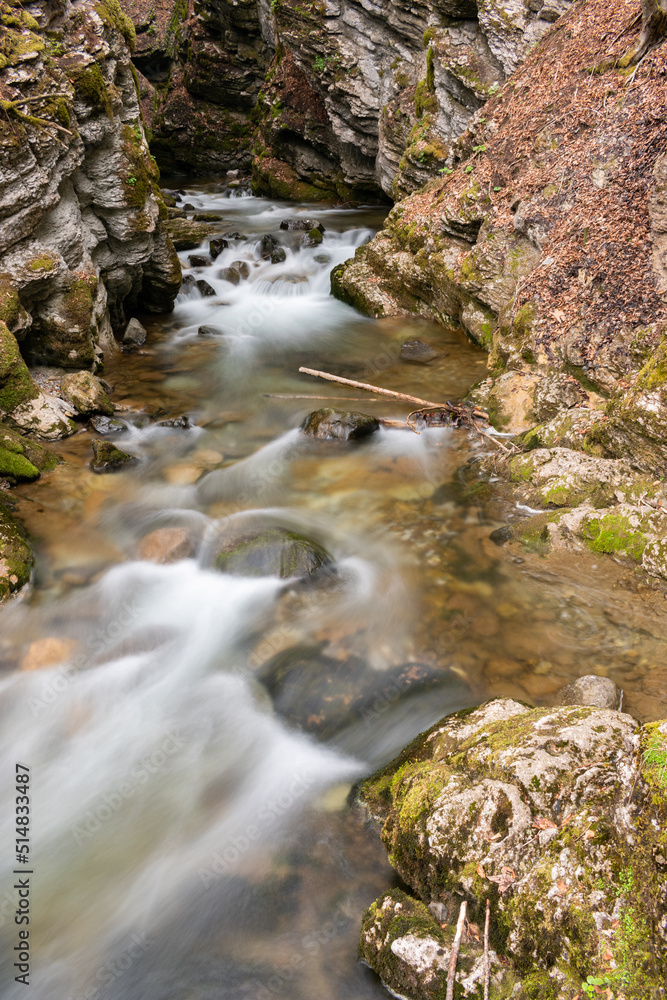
(82, 244)
(351, 99)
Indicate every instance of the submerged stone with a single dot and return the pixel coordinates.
(418, 351)
(236, 271)
(336, 425)
(599, 692)
(210, 331)
(273, 552)
(108, 458)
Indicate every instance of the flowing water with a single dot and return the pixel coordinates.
(193, 736)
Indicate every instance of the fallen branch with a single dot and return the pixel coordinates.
(455, 951)
(487, 964)
(370, 388)
(291, 395)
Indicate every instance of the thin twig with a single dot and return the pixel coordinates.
(487, 964)
(369, 387)
(455, 951)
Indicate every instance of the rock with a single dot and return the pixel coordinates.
(107, 425)
(16, 556)
(204, 288)
(235, 236)
(322, 258)
(324, 696)
(200, 260)
(553, 814)
(182, 423)
(278, 256)
(15, 467)
(311, 239)
(210, 331)
(21, 399)
(108, 458)
(302, 226)
(236, 271)
(86, 394)
(418, 351)
(335, 425)
(216, 247)
(135, 334)
(273, 552)
(267, 245)
(207, 217)
(186, 234)
(165, 545)
(599, 692)
(47, 652)
(21, 458)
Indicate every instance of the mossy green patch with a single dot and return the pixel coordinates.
(16, 385)
(115, 17)
(614, 533)
(91, 88)
(16, 557)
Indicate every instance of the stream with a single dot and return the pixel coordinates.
(193, 744)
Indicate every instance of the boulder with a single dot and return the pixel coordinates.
(236, 271)
(267, 245)
(335, 425)
(186, 234)
(86, 394)
(418, 352)
(200, 260)
(216, 246)
(311, 239)
(204, 288)
(108, 458)
(278, 256)
(107, 425)
(272, 552)
(302, 226)
(558, 817)
(23, 459)
(234, 236)
(599, 692)
(207, 217)
(135, 334)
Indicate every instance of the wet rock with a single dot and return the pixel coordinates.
(107, 425)
(22, 459)
(599, 692)
(267, 245)
(278, 256)
(182, 423)
(22, 401)
(418, 351)
(210, 331)
(207, 217)
(188, 207)
(324, 696)
(200, 260)
(236, 271)
(47, 652)
(311, 239)
(302, 225)
(135, 334)
(86, 394)
(544, 811)
(176, 213)
(216, 246)
(322, 258)
(335, 425)
(204, 288)
(16, 556)
(273, 552)
(165, 545)
(234, 236)
(186, 234)
(108, 458)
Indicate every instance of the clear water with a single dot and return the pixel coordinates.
(191, 836)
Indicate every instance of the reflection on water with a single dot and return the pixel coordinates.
(192, 735)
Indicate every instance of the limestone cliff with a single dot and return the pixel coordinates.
(546, 241)
(81, 239)
(341, 97)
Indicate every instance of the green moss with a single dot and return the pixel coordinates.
(16, 385)
(91, 88)
(425, 99)
(15, 466)
(654, 373)
(47, 262)
(613, 533)
(430, 72)
(10, 304)
(16, 38)
(16, 557)
(113, 15)
(141, 174)
(428, 36)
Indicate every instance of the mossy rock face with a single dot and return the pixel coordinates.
(108, 458)
(550, 814)
(16, 557)
(16, 384)
(16, 467)
(273, 552)
(21, 458)
(335, 425)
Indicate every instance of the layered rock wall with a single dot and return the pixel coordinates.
(81, 237)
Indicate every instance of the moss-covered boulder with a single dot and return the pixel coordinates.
(335, 425)
(16, 557)
(558, 816)
(108, 458)
(272, 552)
(21, 458)
(86, 394)
(188, 235)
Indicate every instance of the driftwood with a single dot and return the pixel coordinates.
(455, 951)
(428, 415)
